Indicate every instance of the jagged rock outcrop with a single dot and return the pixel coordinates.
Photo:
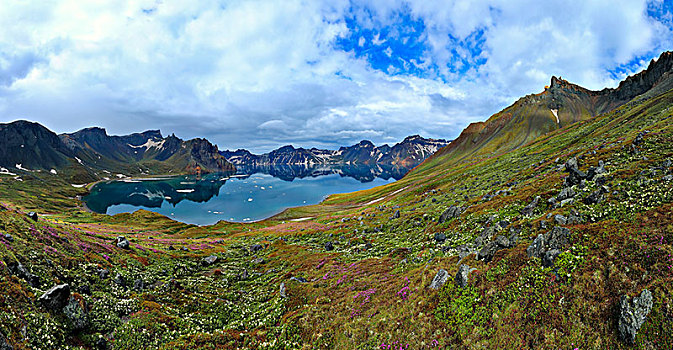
(439, 280)
(462, 275)
(632, 314)
(56, 298)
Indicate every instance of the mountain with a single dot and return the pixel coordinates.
(408, 153)
(559, 105)
(31, 146)
(91, 153)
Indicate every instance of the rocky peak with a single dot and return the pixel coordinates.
(413, 138)
(153, 134)
(285, 149)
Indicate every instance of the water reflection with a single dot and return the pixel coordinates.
(251, 194)
(151, 193)
(360, 172)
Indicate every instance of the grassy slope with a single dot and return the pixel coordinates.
(372, 288)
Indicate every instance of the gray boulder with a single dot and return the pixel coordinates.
(560, 219)
(76, 314)
(462, 275)
(528, 210)
(8, 237)
(283, 293)
(595, 197)
(632, 315)
(123, 243)
(329, 246)
(440, 279)
(396, 215)
(18, 270)
(119, 280)
(535, 249)
(138, 284)
(440, 237)
(103, 273)
(565, 193)
(548, 246)
(549, 257)
(32, 215)
(450, 213)
(56, 298)
(4, 344)
(207, 261)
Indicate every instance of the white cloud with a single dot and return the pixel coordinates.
(259, 74)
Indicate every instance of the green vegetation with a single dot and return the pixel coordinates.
(371, 290)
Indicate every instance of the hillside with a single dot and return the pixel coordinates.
(559, 105)
(511, 237)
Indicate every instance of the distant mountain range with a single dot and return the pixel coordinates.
(92, 154)
(406, 154)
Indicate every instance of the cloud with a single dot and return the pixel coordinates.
(259, 74)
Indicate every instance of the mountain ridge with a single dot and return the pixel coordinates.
(560, 104)
(90, 153)
(407, 153)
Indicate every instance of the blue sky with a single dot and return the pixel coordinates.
(260, 74)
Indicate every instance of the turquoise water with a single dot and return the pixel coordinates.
(216, 197)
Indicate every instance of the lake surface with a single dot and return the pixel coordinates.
(214, 197)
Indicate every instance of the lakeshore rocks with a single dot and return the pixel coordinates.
(56, 298)
(632, 314)
(439, 280)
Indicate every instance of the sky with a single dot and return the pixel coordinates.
(261, 74)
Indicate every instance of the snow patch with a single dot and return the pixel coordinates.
(302, 219)
(78, 160)
(18, 166)
(4, 171)
(53, 171)
(555, 113)
(375, 200)
(150, 144)
(185, 191)
(77, 186)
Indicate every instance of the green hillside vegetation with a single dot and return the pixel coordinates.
(357, 274)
